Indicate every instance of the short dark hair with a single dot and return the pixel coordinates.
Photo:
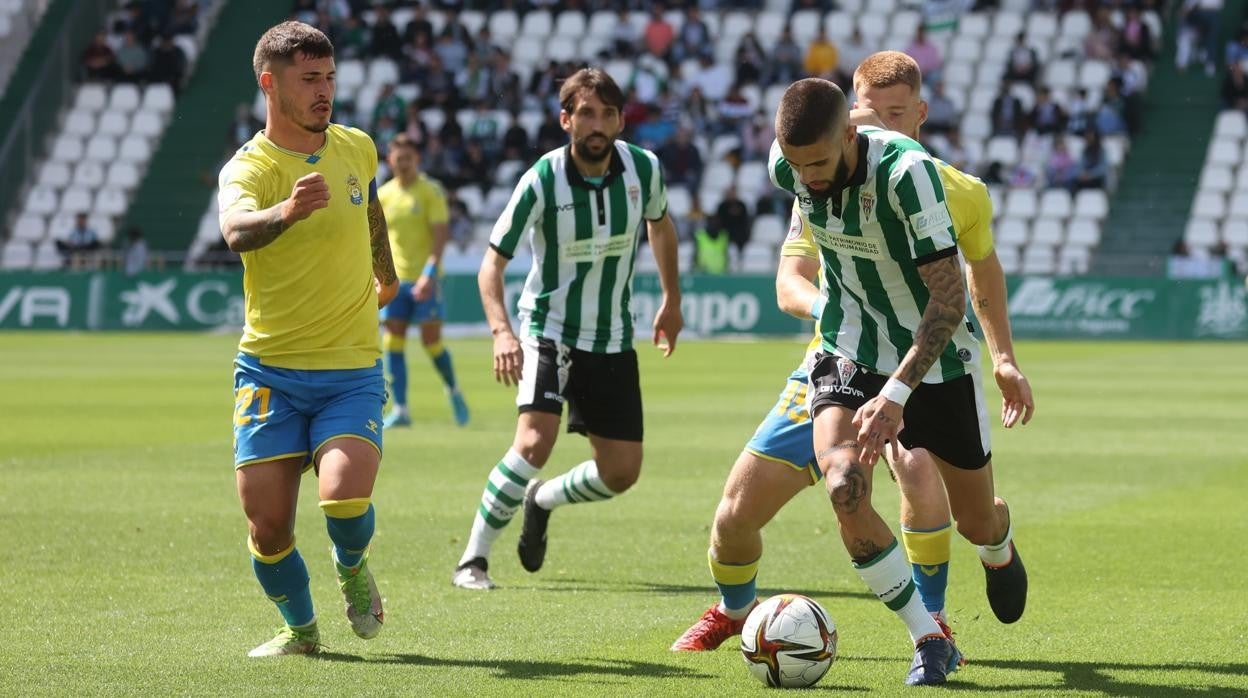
(594, 79)
(402, 140)
(283, 42)
(809, 110)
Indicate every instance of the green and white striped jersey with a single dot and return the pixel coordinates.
(584, 239)
(873, 235)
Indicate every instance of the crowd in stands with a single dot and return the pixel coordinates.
(141, 45)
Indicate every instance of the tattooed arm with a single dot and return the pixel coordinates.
(383, 264)
(250, 230)
(986, 281)
(946, 305)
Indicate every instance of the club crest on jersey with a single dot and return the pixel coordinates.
(845, 369)
(634, 193)
(867, 203)
(353, 188)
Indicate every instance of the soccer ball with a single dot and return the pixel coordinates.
(788, 641)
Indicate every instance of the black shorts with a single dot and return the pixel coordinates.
(603, 391)
(949, 419)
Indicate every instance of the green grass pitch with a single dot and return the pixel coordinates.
(125, 570)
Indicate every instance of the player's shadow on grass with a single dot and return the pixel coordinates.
(532, 669)
(1094, 677)
(697, 589)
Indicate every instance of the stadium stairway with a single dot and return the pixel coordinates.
(170, 201)
(1151, 207)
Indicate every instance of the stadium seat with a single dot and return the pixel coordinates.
(67, 148)
(905, 22)
(734, 25)
(718, 175)
(47, 257)
(1201, 233)
(508, 173)
(1009, 258)
(1075, 23)
(495, 202)
(769, 230)
(76, 200)
(973, 26)
(1062, 74)
(537, 24)
(1074, 260)
(1006, 24)
(571, 24)
(1209, 206)
(752, 180)
(722, 146)
(601, 23)
(1094, 74)
(1238, 207)
(1092, 203)
(958, 75)
(1039, 259)
(1235, 232)
(1083, 232)
(963, 52)
(158, 98)
(505, 25)
(79, 122)
(55, 174)
(112, 124)
(838, 25)
(29, 228)
(997, 48)
(679, 202)
(1002, 149)
(1217, 179)
(383, 71)
(1041, 27)
(873, 26)
(976, 126)
(110, 201)
(147, 124)
(123, 174)
(1012, 232)
(60, 225)
(350, 76)
(16, 254)
(101, 148)
(89, 174)
(134, 149)
(758, 258)
(190, 48)
(1021, 203)
(529, 51)
(123, 98)
(92, 96)
(104, 228)
(1056, 203)
(41, 201)
(1047, 231)
(709, 197)
(590, 47)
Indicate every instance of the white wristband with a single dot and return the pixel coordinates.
(896, 391)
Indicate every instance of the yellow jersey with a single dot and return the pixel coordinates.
(969, 205)
(309, 296)
(411, 213)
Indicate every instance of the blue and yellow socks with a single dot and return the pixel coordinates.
(737, 585)
(284, 578)
(351, 523)
(929, 550)
(396, 366)
(441, 358)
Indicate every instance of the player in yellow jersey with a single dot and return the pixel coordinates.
(416, 215)
(779, 461)
(298, 201)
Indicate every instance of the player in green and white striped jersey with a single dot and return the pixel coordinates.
(580, 209)
(893, 325)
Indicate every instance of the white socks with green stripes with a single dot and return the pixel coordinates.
(580, 484)
(503, 495)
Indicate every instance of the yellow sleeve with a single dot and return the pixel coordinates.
(800, 242)
(971, 210)
(242, 186)
(437, 203)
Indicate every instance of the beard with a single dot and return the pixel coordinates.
(312, 123)
(593, 152)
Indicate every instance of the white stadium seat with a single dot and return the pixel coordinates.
(601, 23)
(383, 71)
(29, 228)
(1021, 203)
(134, 149)
(158, 98)
(1094, 74)
(350, 75)
(1039, 259)
(92, 96)
(103, 227)
(1235, 232)
(1238, 207)
(537, 24)
(1201, 233)
(1223, 151)
(89, 174)
(1047, 231)
(16, 254)
(101, 148)
(47, 257)
(76, 200)
(124, 98)
(570, 24)
(1041, 27)
(110, 201)
(1009, 258)
(67, 148)
(973, 26)
(147, 124)
(54, 174)
(1007, 24)
(123, 174)
(1012, 232)
(1083, 232)
(113, 124)
(1074, 260)
(679, 202)
(1209, 206)
(1217, 178)
(1231, 124)
(1076, 24)
(80, 122)
(1092, 203)
(768, 229)
(41, 201)
(838, 25)
(504, 25)
(1056, 203)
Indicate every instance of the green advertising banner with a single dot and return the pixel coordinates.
(1042, 307)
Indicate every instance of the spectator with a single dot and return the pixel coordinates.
(134, 256)
(183, 19)
(712, 79)
(1130, 73)
(516, 141)
(1047, 116)
(926, 54)
(1093, 167)
(135, 21)
(81, 239)
(244, 126)
(1237, 50)
(734, 218)
(659, 33)
(168, 63)
(785, 65)
(455, 29)
(418, 25)
(694, 38)
(624, 35)
(439, 87)
(417, 55)
(550, 134)
(98, 60)
(942, 113)
(734, 111)
(822, 56)
(697, 112)
(504, 83)
(385, 128)
(452, 51)
(473, 80)
(474, 168)
(710, 247)
(132, 59)
(1078, 116)
(1061, 168)
(955, 153)
(485, 129)
(853, 52)
(386, 42)
(1111, 117)
(351, 39)
(757, 137)
(1235, 88)
(484, 45)
(1101, 43)
(750, 60)
(415, 127)
(390, 104)
(460, 223)
(653, 131)
(1200, 32)
(1023, 65)
(1135, 39)
(1008, 118)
